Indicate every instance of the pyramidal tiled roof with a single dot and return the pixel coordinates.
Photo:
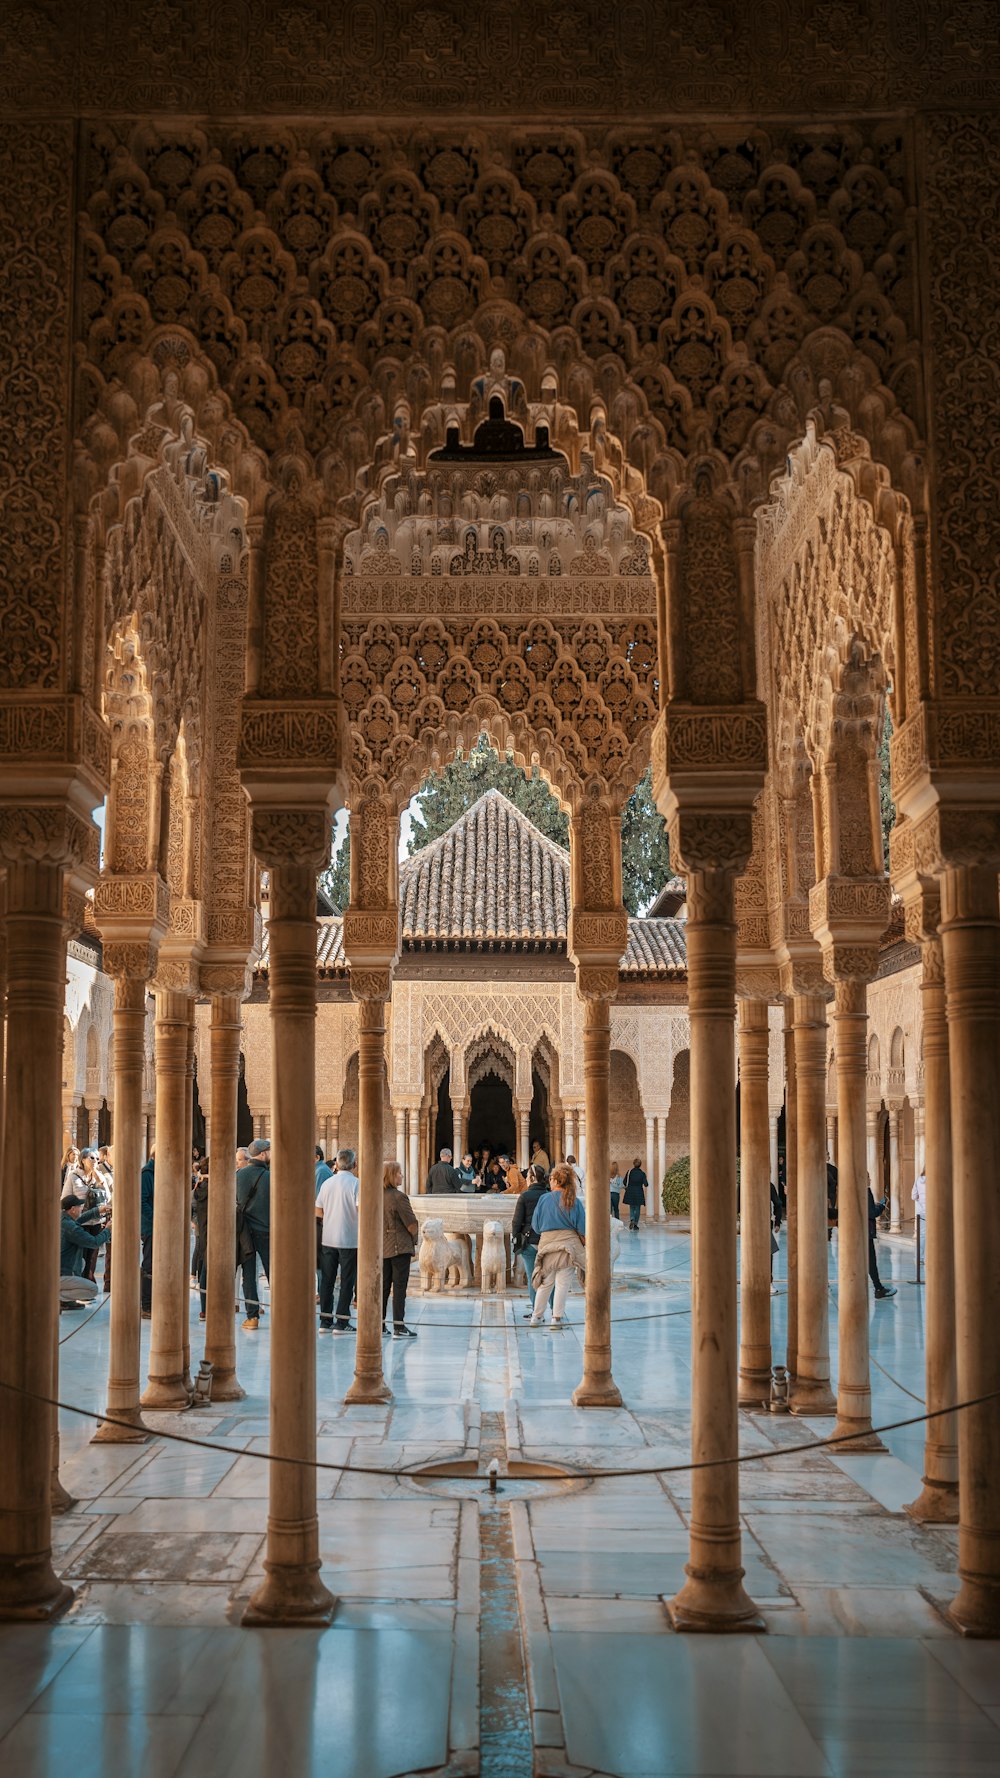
(493, 877)
(494, 882)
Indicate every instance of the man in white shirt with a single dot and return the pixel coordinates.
(337, 1209)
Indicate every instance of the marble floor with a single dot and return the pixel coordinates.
(508, 1634)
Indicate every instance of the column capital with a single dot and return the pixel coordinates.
(130, 960)
(292, 835)
(759, 982)
(848, 916)
(132, 908)
(178, 973)
(52, 833)
(371, 987)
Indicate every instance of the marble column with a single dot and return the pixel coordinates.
(812, 1393)
(523, 1141)
(661, 1138)
(831, 1140)
(791, 1193)
(754, 1386)
(937, 1502)
(130, 1154)
(651, 1162)
(369, 1384)
(220, 1323)
(186, 1233)
(582, 1134)
(458, 1131)
(872, 1116)
(292, 1591)
(166, 1387)
(772, 1147)
(713, 1596)
(36, 982)
(854, 1400)
(571, 1148)
(970, 932)
(597, 1388)
(895, 1208)
(413, 1181)
(400, 1117)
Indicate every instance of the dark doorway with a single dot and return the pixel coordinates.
(443, 1120)
(244, 1116)
(491, 1117)
(538, 1122)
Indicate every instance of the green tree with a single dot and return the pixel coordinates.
(447, 794)
(645, 849)
(335, 881)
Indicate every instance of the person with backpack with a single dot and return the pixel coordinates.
(521, 1232)
(634, 1195)
(253, 1226)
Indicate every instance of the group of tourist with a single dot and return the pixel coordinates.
(87, 1187)
(481, 1172)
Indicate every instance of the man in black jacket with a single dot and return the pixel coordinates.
(522, 1238)
(443, 1177)
(253, 1225)
(874, 1212)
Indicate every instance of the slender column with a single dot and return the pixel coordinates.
(831, 1140)
(791, 1193)
(895, 1212)
(332, 1136)
(369, 1384)
(413, 1182)
(937, 1502)
(186, 1208)
(582, 1133)
(812, 1393)
(713, 1596)
(755, 1208)
(458, 1131)
(36, 979)
(523, 1126)
(220, 1324)
(651, 1161)
(871, 1149)
(571, 1147)
(661, 1170)
(597, 1389)
(123, 1360)
(400, 1115)
(292, 1591)
(854, 1399)
(970, 931)
(166, 1387)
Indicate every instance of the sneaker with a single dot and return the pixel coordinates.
(342, 1328)
(146, 1315)
(536, 1322)
(402, 1332)
(202, 1315)
(527, 1315)
(886, 1290)
(251, 1324)
(557, 1321)
(323, 1329)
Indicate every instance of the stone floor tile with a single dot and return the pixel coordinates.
(30, 1657)
(91, 1745)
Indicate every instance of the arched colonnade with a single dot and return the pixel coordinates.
(620, 454)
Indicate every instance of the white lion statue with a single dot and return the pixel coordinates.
(494, 1262)
(443, 1262)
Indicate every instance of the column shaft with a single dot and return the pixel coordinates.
(220, 1324)
(895, 1209)
(791, 1194)
(661, 1137)
(185, 1228)
(401, 1138)
(36, 980)
(713, 1596)
(755, 1208)
(524, 1145)
(970, 931)
(413, 1182)
(937, 1502)
(854, 1400)
(130, 1153)
(812, 1393)
(166, 1387)
(369, 1384)
(772, 1148)
(597, 1388)
(292, 1591)
(651, 1162)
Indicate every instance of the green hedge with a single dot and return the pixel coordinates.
(677, 1188)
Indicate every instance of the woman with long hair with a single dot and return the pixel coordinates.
(522, 1234)
(399, 1235)
(559, 1228)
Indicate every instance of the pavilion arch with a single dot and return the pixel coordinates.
(628, 1127)
(897, 1049)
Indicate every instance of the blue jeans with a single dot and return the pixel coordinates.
(529, 1256)
(614, 1205)
(261, 1242)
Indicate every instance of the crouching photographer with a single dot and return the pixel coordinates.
(80, 1233)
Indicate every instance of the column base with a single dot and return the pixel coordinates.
(754, 1389)
(976, 1610)
(809, 1397)
(936, 1504)
(293, 1595)
(226, 1387)
(597, 1392)
(364, 1391)
(32, 1593)
(125, 1429)
(713, 1603)
(165, 1394)
(60, 1499)
(857, 1436)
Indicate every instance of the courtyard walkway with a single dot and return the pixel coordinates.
(512, 1633)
